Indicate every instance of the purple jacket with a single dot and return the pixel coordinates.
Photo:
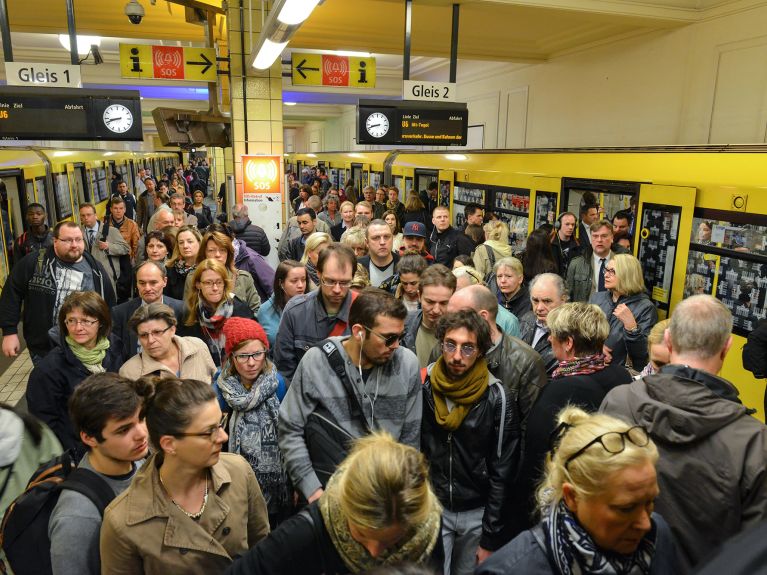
(256, 265)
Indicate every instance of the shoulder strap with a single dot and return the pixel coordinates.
(337, 364)
(91, 485)
(490, 255)
(8, 467)
(502, 421)
(104, 230)
(40, 258)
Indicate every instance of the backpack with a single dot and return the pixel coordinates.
(124, 281)
(489, 276)
(24, 531)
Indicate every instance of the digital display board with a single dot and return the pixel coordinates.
(69, 114)
(412, 123)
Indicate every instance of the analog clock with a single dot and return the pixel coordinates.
(118, 118)
(377, 125)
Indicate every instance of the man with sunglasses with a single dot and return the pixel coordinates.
(347, 387)
(471, 440)
(712, 470)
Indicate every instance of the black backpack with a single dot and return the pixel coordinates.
(24, 531)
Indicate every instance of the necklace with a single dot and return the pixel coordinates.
(194, 516)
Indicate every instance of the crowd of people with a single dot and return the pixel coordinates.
(398, 396)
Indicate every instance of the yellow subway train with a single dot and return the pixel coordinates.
(700, 212)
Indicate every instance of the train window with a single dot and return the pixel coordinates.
(42, 197)
(376, 179)
(333, 177)
(102, 187)
(657, 248)
(399, 182)
(545, 208)
(30, 187)
(62, 199)
(423, 178)
(511, 205)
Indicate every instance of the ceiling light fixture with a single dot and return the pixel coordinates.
(296, 11)
(284, 20)
(455, 157)
(84, 43)
(268, 53)
(289, 103)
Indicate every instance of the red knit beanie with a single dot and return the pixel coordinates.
(239, 329)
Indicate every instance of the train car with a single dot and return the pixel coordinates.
(62, 180)
(700, 214)
(360, 168)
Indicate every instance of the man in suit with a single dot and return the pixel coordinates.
(150, 281)
(105, 243)
(547, 292)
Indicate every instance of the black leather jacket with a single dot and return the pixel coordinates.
(473, 466)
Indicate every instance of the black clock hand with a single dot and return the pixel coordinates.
(374, 126)
(114, 119)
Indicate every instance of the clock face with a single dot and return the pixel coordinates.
(377, 125)
(118, 118)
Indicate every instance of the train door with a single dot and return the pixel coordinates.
(13, 205)
(612, 196)
(357, 175)
(80, 191)
(663, 227)
(545, 201)
(43, 190)
(423, 178)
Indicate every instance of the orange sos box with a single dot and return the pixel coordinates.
(261, 174)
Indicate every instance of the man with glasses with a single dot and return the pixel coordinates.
(468, 425)
(347, 387)
(151, 280)
(309, 318)
(163, 353)
(40, 283)
(712, 470)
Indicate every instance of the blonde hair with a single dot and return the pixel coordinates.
(313, 242)
(589, 472)
(497, 230)
(467, 271)
(512, 263)
(656, 333)
(176, 253)
(344, 204)
(193, 297)
(385, 483)
(354, 236)
(628, 274)
(584, 322)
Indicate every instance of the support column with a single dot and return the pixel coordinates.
(256, 95)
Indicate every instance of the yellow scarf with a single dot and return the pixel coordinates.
(463, 392)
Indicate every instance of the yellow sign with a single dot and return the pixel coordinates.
(168, 63)
(659, 294)
(332, 70)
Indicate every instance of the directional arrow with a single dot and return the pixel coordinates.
(300, 69)
(206, 62)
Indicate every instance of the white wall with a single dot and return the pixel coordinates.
(705, 83)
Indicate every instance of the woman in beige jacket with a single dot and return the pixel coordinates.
(191, 508)
(165, 354)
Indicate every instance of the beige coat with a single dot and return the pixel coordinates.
(196, 362)
(143, 532)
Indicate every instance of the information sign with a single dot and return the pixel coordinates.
(333, 71)
(167, 63)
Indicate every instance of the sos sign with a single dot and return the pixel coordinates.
(261, 174)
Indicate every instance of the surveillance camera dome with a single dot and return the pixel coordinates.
(134, 11)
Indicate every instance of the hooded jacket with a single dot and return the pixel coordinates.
(253, 236)
(712, 470)
(445, 246)
(249, 260)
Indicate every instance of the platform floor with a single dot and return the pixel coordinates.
(13, 381)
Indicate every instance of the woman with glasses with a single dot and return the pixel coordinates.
(191, 508)
(629, 310)
(378, 510)
(596, 506)
(163, 353)
(183, 262)
(84, 347)
(252, 391)
(577, 334)
(209, 304)
(290, 280)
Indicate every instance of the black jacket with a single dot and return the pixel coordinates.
(51, 384)
(295, 249)
(586, 391)
(412, 325)
(365, 262)
(241, 309)
(473, 466)
(32, 283)
(204, 219)
(125, 338)
(337, 231)
(176, 283)
(421, 216)
(445, 246)
(542, 346)
(253, 236)
(302, 546)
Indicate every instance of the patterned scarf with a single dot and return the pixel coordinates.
(463, 392)
(392, 205)
(90, 358)
(580, 366)
(253, 431)
(416, 547)
(212, 323)
(182, 268)
(573, 551)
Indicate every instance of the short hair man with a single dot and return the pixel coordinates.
(437, 284)
(145, 204)
(106, 412)
(38, 235)
(40, 283)
(446, 242)
(621, 221)
(151, 279)
(293, 231)
(245, 230)
(586, 273)
(414, 236)
(702, 431)
(125, 196)
(178, 202)
(309, 318)
(547, 292)
(589, 214)
(364, 208)
(106, 244)
(564, 244)
(381, 260)
(468, 424)
(430, 199)
(305, 218)
(127, 227)
(474, 214)
(382, 376)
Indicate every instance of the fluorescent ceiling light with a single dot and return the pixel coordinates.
(296, 11)
(455, 156)
(268, 54)
(288, 103)
(311, 155)
(83, 42)
(62, 154)
(354, 155)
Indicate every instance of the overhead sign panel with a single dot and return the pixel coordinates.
(428, 91)
(412, 123)
(333, 71)
(42, 75)
(167, 63)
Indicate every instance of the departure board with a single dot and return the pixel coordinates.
(69, 114)
(412, 123)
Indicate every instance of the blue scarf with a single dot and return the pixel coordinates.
(573, 551)
(253, 431)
